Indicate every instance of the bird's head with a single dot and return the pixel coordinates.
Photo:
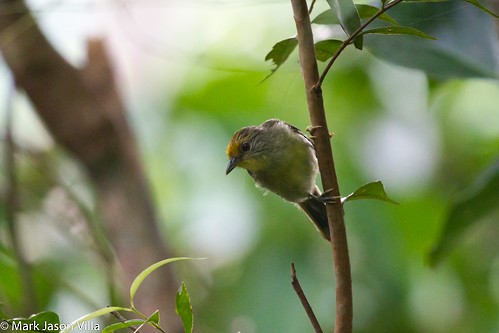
(245, 149)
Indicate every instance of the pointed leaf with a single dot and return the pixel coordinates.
(465, 47)
(325, 49)
(47, 321)
(326, 17)
(118, 326)
(365, 12)
(435, 59)
(184, 308)
(398, 31)
(154, 318)
(145, 273)
(348, 17)
(481, 201)
(374, 190)
(93, 315)
(482, 7)
(280, 52)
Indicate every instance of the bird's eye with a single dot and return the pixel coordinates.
(245, 146)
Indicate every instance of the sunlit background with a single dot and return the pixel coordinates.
(190, 73)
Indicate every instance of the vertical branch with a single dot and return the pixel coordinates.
(11, 208)
(344, 312)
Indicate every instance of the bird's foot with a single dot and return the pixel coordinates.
(327, 198)
(312, 129)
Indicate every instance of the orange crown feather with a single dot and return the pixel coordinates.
(233, 148)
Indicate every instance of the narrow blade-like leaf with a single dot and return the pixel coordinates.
(398, 31)
(348, 17)
(184, 308)
(93, 315)
(367, 11)
(118, 326)
(482, 7)
(146, 272)
(374, 190)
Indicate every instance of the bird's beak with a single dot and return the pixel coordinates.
(232, 164)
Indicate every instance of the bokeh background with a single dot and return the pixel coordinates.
(190, 74)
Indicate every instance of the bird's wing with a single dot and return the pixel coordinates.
(297, 130)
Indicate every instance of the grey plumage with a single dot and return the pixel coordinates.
(282, 159)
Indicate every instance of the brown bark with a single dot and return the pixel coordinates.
(83, 111)
(315, 102)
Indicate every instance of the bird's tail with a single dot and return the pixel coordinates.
(316, 211)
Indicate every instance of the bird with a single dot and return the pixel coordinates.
(282, 160)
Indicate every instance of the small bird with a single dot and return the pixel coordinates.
(281, 159)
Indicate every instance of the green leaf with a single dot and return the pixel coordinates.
(184, 308)
(326, 17)
(398, 31)
(121, 325)
(92, 315)
(465, 46)
(480, 201)
(482, 7)
(40, 322)
(146, 272)
(435, 59)
(366, 12)
(280, 52)
(325, 49)
(154, 318)
(348, 17)
(374, 190)
(49, 319)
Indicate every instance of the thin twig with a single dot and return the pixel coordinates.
(123, 319)
(339, 244)
(352, 37)
(304, 301)
(311, 7)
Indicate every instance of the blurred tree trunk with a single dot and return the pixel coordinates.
(82, 110)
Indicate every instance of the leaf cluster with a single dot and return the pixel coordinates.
(49, 322)
(354, 19)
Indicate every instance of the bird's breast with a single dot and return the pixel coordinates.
(290, 176)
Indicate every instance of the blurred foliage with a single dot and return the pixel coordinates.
(426, 138)
(465, 45)
(478, 203)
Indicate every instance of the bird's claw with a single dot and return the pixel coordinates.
(327, 198)
(311, 129)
